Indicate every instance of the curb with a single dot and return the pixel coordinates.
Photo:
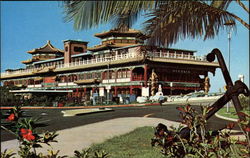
(85, 107)
(75, 112)
(226, 118)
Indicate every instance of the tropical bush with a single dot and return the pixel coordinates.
(25, 130)
(199, 141)
(245, 101)
(90, 153)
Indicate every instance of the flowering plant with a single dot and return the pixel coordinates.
(199, 141)
(25, 131)
(27, 134)
(11, 117)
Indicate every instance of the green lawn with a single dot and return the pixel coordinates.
(231, 113)
(136, 144)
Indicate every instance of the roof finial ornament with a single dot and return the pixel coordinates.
(48, 41)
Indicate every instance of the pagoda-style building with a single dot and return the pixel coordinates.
(121, 66)
(117, 39)
(45, 52)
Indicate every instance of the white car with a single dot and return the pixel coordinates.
(141, 99)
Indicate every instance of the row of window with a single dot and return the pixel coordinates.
(53, 63)
(104, 75)
(119, 41)
(98, 75)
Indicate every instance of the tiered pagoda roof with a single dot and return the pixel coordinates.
(108, 46)
(47, 48)
(110, 36)
(129, 33)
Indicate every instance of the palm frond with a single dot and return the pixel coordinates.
(223, 5)
(242, 6)
(194, 19)
(88, 14)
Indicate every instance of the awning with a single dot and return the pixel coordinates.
(87, 81)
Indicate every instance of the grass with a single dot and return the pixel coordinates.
(136, 144)
(231, 113)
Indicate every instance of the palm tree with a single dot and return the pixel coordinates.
(168, 21)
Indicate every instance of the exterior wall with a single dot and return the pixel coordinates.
(67, 53)
(72, 48)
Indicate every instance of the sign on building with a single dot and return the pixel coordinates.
(145, 91)
(108, 87)
(101, 91)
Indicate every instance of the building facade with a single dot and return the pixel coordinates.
(122, 65)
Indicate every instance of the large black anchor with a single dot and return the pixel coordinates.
(232, 93)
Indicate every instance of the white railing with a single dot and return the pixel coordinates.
(112, 58)
(176, 56)
(18, 72)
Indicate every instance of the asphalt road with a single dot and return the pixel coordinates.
(55, 120)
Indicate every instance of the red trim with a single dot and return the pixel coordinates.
(145, 75)
(85, 91)
(115, 91)
(131, 90)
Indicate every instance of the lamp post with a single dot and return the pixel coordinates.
(171, 85)
(229, 24)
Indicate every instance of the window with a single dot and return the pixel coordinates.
(78, 49)
(119, 75)
(118, 41)
(124, 41)
(66, 48)
(128, 74)
(81, 76)
(131, 41)
(113, 74)
(124, 74)
(98, 75)
(89, 75)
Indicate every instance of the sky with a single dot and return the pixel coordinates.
(26, 25)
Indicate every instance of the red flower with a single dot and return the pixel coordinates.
(230, 125)
(170, 138)
(27, 134)
(11, 117)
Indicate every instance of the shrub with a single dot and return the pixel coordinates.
(89, 153)
(194, 140)
(29, 140)
(245, 101)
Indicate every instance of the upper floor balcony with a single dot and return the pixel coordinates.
(111, 59)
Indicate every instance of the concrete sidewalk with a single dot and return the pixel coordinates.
(81, 137)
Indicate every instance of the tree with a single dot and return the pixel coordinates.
(168, 21)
